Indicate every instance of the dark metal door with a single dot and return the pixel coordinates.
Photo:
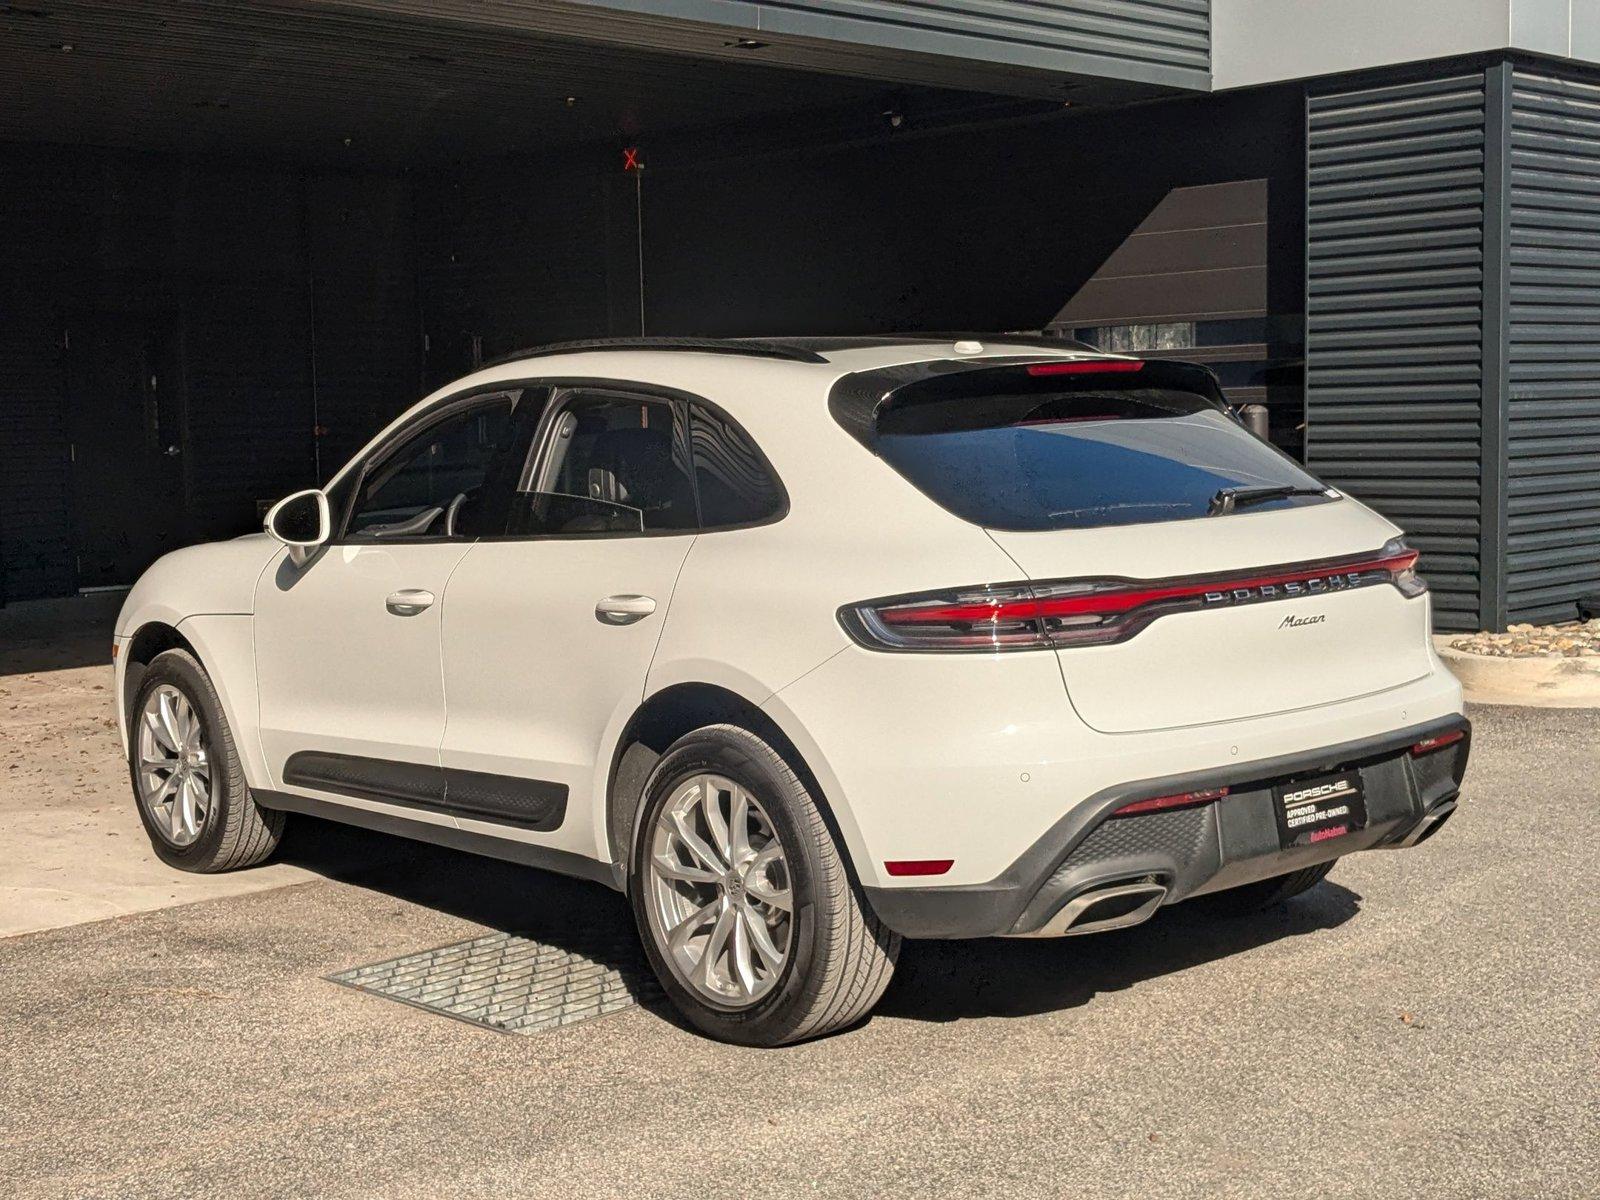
(127, 445)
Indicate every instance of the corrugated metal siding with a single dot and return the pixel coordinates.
(1394, 316)
(1553, 428)
(1124, 33)
(978, 43)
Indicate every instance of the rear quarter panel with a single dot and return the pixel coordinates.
(756, 609)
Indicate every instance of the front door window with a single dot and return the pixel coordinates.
(438, 484)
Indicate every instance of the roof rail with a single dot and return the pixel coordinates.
(751, 348)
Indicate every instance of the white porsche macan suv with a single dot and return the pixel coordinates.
(807, 645)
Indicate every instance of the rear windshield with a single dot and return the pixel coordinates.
(1009, 451)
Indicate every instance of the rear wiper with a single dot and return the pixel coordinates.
(1228, 499)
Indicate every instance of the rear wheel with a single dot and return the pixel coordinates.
(1264, 893)
(187, 781)
(747, 909)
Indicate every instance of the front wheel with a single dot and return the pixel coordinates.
(187, 781)
(746, 907)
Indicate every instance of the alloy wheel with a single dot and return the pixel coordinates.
(174, 766)
(718, 892)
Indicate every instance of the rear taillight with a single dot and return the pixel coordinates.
(1438, 742)
(1176, 800)
(1098, 612)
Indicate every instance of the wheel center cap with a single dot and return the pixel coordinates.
(734, 884)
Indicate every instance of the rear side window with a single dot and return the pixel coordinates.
(1010, 450)
(734, 485)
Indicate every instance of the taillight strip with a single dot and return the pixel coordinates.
(1166, 803)
(1063, 613)
(1120, 601)
(1113, 366)
(1438, 742)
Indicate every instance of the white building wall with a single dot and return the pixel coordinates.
(1266, 41)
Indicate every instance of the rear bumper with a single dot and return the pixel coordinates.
(1181, 853)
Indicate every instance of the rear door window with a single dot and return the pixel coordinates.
(612, 464)
(1010, 450)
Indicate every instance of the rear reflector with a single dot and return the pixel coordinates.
(919, 866)
(1097, 612)
(1439, 742)
(1115, 366)
(1176, 800)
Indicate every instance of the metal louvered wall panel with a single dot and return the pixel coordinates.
(1553, 369)
(1172, 34)
(1394, 316)
(1162, 42)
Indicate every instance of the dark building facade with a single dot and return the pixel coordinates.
(235, 240)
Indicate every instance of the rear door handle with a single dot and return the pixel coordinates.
(625, 609)
(408, 602)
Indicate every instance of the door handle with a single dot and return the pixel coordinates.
(408, 602)
(624, 610)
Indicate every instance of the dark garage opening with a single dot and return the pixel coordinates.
(236, 241)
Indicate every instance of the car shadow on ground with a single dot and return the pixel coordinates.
(573, 914)
(1016, 977)
(55, 635)
(935, 981)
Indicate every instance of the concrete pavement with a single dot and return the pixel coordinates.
(74, 848)
(1421, 1025)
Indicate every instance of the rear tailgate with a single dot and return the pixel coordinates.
(1251, 651)
(1183, 571)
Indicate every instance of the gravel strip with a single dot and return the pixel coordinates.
(1535, 641)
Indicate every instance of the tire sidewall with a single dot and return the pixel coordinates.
(709, 752)
(178, 669)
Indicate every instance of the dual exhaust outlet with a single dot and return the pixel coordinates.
(1119, 904)
(1108, 906)
(1432, 821)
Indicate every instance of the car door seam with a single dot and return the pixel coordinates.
(666, 609)
(444, 677)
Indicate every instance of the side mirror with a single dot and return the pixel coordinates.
(301, 522)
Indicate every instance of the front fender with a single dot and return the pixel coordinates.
(209, 579)
(207, 594)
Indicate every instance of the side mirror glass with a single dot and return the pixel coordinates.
(301, 522)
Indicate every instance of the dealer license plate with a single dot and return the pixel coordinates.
(1314, 810)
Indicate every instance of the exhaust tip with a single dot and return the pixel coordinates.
(1432, 821)
(1112, 906)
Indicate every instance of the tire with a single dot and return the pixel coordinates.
(234, 832)
(1264, 893)
(839, 956)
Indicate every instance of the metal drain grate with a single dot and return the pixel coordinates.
(514, 983)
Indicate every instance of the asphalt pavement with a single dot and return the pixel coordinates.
(1420, 1025)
